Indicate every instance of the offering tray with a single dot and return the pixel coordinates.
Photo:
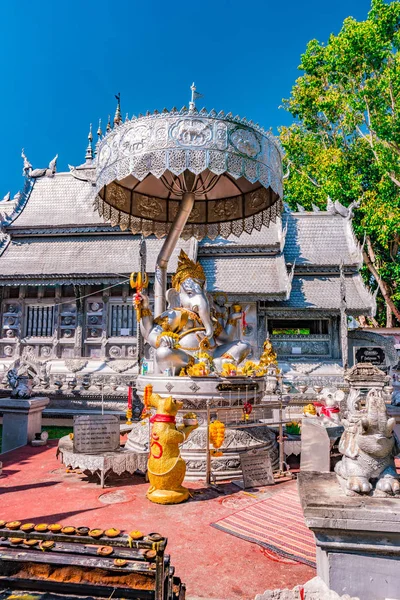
(73, 566)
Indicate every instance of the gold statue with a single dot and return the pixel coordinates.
(166, 469)
(268, 357)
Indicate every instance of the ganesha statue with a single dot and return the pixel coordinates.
(368, 446)
(189, 326)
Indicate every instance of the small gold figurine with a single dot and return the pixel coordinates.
(268, 357)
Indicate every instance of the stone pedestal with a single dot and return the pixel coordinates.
(21, 420)
(221, 393)
(357, 537)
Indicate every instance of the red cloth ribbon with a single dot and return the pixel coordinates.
(326, 410)
(129, 397)
(162, 419)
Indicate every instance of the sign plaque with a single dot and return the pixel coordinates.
(94, 434)
(256, 468)
(373, 354)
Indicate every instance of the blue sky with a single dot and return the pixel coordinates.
(62, 62)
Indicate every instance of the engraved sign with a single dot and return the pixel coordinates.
(373, 355)
(94, 434)
(256, 468)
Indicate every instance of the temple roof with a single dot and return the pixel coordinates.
(267, 237)
(59, 201)
(319, 292)
(258, 275)
(84, 256)
(320, 238)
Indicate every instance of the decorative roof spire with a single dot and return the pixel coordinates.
(99, 131)
(195, 95)
(108, 128)
(117, 116)
(89, 149)
(126, 117)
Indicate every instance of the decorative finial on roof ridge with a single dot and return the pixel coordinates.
(89, 149)
(27, 168)
(6, 197)
(126, 117)
(99, 131)
(117, 116)
(195, 95)
(108, 128)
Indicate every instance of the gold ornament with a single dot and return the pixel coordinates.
(187, 268)
(268, 357)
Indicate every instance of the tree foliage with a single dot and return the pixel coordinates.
(345, 141)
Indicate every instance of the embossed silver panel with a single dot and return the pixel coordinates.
(136, 157)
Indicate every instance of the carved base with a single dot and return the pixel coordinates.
(194, 393)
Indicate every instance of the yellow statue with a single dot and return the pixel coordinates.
(166, 469)
(268, 357)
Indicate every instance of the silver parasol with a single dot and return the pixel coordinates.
(188, 173)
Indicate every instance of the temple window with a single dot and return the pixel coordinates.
(39, 321)
(122, 320)
(298, 327)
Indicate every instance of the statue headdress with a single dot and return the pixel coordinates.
(187, 268)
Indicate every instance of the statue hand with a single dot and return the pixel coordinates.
(144, 299)
(168, 341)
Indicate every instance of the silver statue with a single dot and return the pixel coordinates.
(20, 383)
(368, 446)
(188, 327)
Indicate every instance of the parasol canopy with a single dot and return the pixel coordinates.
(146, 165)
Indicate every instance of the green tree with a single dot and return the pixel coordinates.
(345, 140)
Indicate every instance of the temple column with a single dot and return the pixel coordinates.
(261, 330)
(335, 336)
(56, 328)
(104, 320)
(78, 290)
(21, 301)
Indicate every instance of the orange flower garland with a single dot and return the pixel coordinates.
(217, 435)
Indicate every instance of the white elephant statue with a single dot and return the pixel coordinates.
(188, 326)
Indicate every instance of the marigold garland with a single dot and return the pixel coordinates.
(217, 433)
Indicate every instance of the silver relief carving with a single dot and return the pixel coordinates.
(191, 132)
(246, 142)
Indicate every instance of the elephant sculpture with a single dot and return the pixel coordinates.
(189, 325)
(368, 446)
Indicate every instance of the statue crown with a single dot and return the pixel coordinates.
(187, 268)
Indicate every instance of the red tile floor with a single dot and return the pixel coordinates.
(214, 565)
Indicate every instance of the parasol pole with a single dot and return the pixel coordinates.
(160, 283)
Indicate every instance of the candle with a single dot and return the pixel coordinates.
(129, 397)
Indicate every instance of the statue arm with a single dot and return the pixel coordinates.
(186, 431)
(231, 330)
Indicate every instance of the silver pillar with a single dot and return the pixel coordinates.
(160, 283)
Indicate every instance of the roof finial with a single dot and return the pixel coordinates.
(195, 95)
(108, 128)
(126, 117)
(117, 116)
(89, 149)
(99, 131)
(27, 169)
